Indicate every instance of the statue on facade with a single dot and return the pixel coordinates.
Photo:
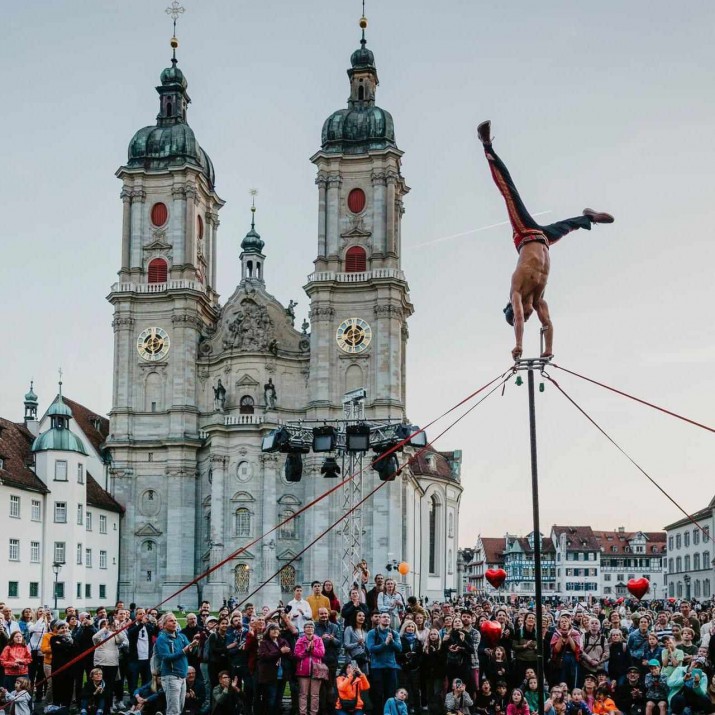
(269, 394)
(219, 397)
(532, 242)
(304, 327)
(290, 311)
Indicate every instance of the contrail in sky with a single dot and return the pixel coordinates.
(474, 230)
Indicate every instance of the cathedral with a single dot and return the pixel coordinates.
(199, 383)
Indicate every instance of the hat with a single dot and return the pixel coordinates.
(211, 618)
(633, 669)
(653, 663)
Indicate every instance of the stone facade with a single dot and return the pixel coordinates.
(199, 384)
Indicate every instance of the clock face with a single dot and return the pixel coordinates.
(353, 335)
(153, 344)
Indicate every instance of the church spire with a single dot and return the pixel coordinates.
(252, 258)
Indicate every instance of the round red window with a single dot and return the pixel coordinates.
(356, 200)
(159, 214)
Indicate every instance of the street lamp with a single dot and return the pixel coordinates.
(56, 566)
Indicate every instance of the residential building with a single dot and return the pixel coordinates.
(519, 565)
(690, 555)
(56, 513)
(488, 554)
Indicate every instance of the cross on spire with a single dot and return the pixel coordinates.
(253, 193)
(363, 24)
(59, 371)
(174, 11)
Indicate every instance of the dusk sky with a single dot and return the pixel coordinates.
(608, 105)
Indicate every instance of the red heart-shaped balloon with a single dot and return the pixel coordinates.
(491, 630)
(496, 577)
(638, 587)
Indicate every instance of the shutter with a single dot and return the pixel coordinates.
(355, 260)
(159, 214)
(157, 271)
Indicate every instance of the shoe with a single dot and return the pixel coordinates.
(484, 132)
(598, 216)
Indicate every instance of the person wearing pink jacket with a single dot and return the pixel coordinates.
(309, 652)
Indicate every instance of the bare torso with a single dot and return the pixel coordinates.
(528, 284)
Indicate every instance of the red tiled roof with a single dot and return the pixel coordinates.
(15, 450)
(94, 426)
(431, 463)
(578, 538)
(615, 542)
(98, 497)
(493, 549)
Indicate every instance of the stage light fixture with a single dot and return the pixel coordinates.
(387, 467)
(275, 440)
(293, 467)
(416, 440)
(330, 468)
(357, 438)
(324, 438)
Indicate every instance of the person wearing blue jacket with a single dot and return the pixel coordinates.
(396, 705)
(383, 645)
(171, 650)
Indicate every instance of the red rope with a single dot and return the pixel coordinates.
(636, 399)
(285, 521)
(706, 535)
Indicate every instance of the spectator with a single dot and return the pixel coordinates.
(396, 705)
(390, 601)
(577, 706)
(330, 636)
(630, 696)
(433, 668)
(108, 641)
(300, 610)
(63, 651)
(671, 657)
(309, 652)
(92, 696)
(383, 645)
(15, 660)
(351, 684)
(604, 704)
(352, 607)
(458, 701)
(355, 641)
(171, 650)
(19, 699)
(618, 658)
(329, 593)
(566, 651)
(525, 647)
(656, 689)
(272, 652)
(594, 652)
(195, 692)
(372, 595)
(316, 600)
(140, 637)
(226, 696)
(410, 661)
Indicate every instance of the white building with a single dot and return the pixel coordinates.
(54, 511)
(690, 555)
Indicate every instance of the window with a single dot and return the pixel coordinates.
(355, 260)
(102, 559)
(61, 470)
(88, 520)
(678, 541)
(246, 405)
(79, 554)
(686, 539)
(356, 200)
(59, 552)
(14, 554)
(15, 507)
(36, 511)
(88, 590)
(60, 512)
(242, 575)
(678, 564)
(79, 590)
(696, 588)
(102, 591)
(670, 543)
(102, 524)
(696, 537)
(13, 590)
(159, 212)
(706, 588)
(671, 590)
(706, 559)
(80, 514)
(243, 522)
(157, 271)
(706, 533)
(34, 589)
(433, 518)
(607, 577)
(88, 558)
(288, 530)
(450, 524)
(287, 579)
(696, 562)
(35, 552)
(60, 590)
(670, 565)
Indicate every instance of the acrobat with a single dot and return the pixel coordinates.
(532, 242)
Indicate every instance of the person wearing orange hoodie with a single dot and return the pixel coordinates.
(604, 704)
(15, 660)
(351, 681)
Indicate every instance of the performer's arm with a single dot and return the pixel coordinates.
(518, 308)
(542, 311)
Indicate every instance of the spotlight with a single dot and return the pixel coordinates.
(294, 467)
(408, 431)
(275, 440)
(330, 468)
(387, 467)
(324, 438)
(357, 438)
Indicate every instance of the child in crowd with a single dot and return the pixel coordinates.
(604, 704)
(20, 699)
(93, 695)
(577, 706)
(517, 703)
(656, 689)
(398, 704)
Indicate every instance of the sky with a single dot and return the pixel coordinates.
(607, 105)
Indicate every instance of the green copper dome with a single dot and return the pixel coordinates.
(170, 143)
(30, 396)
(59, 440)
(362, 57)
(59, 408)
(358, 129)
(252, 243)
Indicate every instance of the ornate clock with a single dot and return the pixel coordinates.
(153, 344)
(353, 335)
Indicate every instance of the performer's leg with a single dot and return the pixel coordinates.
(555, 231)
(519, 217)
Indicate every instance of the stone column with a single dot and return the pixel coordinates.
(217, 587)
(270, 593)
(322, 182)
(213, 222)
(137, 224)
(176, 235)
(190, 229)
(333, 216)
(378, 212)
(126, 197)
(391, 227)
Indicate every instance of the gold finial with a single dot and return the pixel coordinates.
(174, 11)
(363, 23)
(253, 193)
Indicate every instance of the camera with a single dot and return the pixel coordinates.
(287, 609)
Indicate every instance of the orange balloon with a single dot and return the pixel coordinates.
(403, 568)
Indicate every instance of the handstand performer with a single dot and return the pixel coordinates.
(532, 242)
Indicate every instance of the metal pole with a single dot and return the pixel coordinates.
(57, 573)
(537, 543)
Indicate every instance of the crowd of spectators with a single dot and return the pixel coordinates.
(379, 652)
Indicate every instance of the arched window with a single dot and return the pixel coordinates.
(678, 541)
(680, 589)
(686, 538)
(168, 109)
(246, 405)
(671, 589)
(157, 270)
(678, 564)
(433, 521)
(670, 565)
(159, 214)
(288, 530)
(242, 576)
(361, 92)
(243, 522)
(696, 562)
(696, 537)
(696, 588)
(706, 559)
(355, 260)
(706, 588)
(287, 578)
(687, 562)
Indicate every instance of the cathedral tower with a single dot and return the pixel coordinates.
(165, 296)
(358, 293)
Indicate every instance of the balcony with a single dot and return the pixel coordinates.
(181, 284)
(320, 276)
